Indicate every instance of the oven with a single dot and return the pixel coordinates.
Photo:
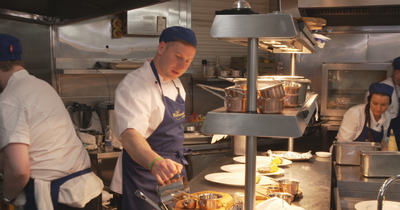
(346, 84)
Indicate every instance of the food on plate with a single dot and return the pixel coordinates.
(258, 178)
(274, 168)
(263, 169)
(277, 160)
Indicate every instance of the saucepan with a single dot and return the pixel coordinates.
(270, 105)
(272, 91)
(210, 201)
(232, 104)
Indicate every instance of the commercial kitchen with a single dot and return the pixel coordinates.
(336, 50)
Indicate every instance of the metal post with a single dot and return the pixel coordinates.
(251, 141)
(292, 73)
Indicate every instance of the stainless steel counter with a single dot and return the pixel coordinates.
(353, 187)
(314, 177)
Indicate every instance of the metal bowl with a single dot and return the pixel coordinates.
(210, 201)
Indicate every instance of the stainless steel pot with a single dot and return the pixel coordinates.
(272, 91)
(210, 201)
(291, 100)
(270, 105)
(232, 104)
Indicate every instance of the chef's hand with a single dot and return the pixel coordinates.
(165, 169)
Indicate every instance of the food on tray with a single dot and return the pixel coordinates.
(263, 169)
(277, 161)
(274, 168)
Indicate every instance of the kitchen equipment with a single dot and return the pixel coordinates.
(347, 153)
(106, 112)
(226, 201)
(173, 189)
(273, 189)
(210, 201)
(272, 91)
(291, 87)
(283, 195)
(139, 194)
(237, 104)
(270, 105)
(236, 73)
(81, 115)
(291, 100)
(379, 163)
(289, 185)
(323, 154)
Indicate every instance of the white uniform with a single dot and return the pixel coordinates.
(32, 113)
(354, 120)
(139, 105)
(394, 106)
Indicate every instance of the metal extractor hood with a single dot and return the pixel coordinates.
(63, 12)
(346, 12)
(277, 32)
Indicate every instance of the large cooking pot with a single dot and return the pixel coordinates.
(232, 104)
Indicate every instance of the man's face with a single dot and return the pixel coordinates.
(175, 59)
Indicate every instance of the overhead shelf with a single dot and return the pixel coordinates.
(101, 71)
(290, 123)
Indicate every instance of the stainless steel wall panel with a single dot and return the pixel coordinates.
(383, 47)
(35, 40)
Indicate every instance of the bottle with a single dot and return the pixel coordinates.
(108, 139)
(218, 67)
(204, 72)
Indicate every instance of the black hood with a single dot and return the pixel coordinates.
(62, 12)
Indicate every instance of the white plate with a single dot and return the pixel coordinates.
(234, 179)
(372, 205)
(262, 160)
(323, 154)
(241, 168)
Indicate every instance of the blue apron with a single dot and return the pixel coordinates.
(376, 136)
(167, 141)
(395, 122)
(55, 188)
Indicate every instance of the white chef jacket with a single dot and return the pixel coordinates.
(139, 105)
(32, 113)
(354, 120)
(394, 106)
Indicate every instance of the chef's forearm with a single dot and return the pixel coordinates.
(137, 147)
(16, 169)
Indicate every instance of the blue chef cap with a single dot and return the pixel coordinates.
(380, 88)
(177, 33)
(10, 48)
(396, 63)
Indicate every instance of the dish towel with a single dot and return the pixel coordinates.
(43, 194)
(276, 204)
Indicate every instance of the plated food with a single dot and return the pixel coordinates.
(264, 160)
(262, 170)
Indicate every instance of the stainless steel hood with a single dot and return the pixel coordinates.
(346, 12)
(62, 12)
(277, 32)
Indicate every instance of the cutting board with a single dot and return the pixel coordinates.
(227, 201)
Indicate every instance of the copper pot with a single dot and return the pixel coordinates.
(272, 91)
(291, 87)
(291, 100)
(270, 105)
(235, 104)
(210, 201)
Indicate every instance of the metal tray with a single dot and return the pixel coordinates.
(379, 163)
(293, 156)
(347, 153)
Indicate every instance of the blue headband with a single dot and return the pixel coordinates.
(10, 48)
(178, 33)
(381, 88)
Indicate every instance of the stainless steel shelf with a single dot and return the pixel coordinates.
(102, 71)
(93, 71)
(291, 123)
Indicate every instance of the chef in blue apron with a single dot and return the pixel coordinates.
(150, 112)
(394, 108)
(368, 122)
